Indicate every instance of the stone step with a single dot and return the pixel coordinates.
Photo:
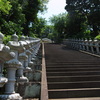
(74, 93)
(89, 98)
(75, 62)
(31, 99)
(73, 66)
(73, 78)
(73, 73)
(73, 85)
(73, 69)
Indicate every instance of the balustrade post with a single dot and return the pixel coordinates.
(72, 42)
(80, 44)
(69, 43)
(96, 45)
(83, 45)
(91, 46)
(87, 44)
(76, 44)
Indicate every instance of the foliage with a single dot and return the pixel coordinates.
(17, 15)
(31, 11)
(51, 36)
(98, 37)
(11, 27)
(38, 27)
(76, 25)
(5, 6)
(89, 9)
(59, 23)
(6, 39)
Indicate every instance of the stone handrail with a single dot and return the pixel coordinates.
(91, 46)
(20, 59)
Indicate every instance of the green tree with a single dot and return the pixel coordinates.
(38, 27)
(31, 11)
(12, 22)
(18, 15)
(59, 23)
(4, 6)
(90, 9)
(76, 25)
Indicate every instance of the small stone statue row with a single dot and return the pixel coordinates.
(90, 45)
(16, 57)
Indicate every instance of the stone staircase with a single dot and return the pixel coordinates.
(71, 75)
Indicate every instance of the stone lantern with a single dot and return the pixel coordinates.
(21, 57)
(12, 66)
(5, 55)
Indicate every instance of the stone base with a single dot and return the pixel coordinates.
(32, 91)
(14, 96)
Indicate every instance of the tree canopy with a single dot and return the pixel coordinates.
(18, 15)
(4, 6)
(59, 23)
(89, 9)
(81, 21)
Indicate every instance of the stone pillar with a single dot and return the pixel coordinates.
(76, 44)
(71, 43)
(28, 53)
(12, 66)
(82, 44)
(87, 44)
(96, 45)
(91, 45)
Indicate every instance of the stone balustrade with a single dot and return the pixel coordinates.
(88, 45)
(18, 61)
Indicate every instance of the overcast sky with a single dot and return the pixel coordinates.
(55, 7)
